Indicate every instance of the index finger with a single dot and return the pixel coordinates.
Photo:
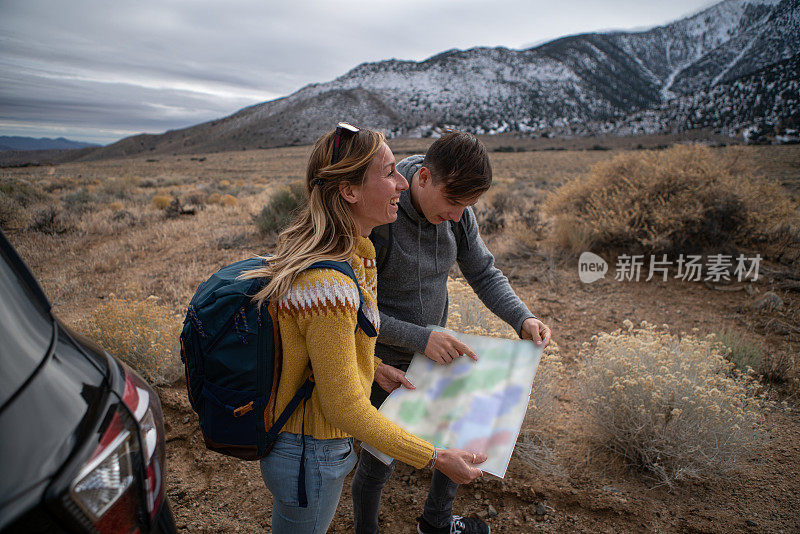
(464, 349)
(406, 382)
(546, 337)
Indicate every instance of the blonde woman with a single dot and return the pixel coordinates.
(353, 186)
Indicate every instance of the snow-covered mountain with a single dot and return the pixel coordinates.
(580, 84)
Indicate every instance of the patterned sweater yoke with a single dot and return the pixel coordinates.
(317, 319)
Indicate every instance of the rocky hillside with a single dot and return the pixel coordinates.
(581, 84)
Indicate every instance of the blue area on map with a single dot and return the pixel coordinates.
(438, 388)
(484, 409)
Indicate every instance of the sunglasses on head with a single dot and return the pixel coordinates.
(341, 129)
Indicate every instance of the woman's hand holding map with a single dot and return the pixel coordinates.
(457, 465)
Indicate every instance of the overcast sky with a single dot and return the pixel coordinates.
(101, 70)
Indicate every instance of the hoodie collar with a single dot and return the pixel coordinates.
(408, 168)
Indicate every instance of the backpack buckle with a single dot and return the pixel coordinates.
(242, 410)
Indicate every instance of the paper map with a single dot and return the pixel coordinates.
(473, 406)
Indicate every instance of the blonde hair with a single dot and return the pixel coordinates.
(324, 228)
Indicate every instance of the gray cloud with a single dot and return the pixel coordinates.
(98, 71)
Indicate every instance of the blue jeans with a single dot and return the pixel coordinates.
(328, 461)
(372, 475)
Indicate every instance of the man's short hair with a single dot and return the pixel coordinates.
(459, 162)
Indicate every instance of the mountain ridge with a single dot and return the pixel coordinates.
(17, 142)
(575, 85)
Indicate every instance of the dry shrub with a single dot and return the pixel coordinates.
(683, 199)
(52, 221)
(778, 368)
(669, 405)
(10, 212)
(20, 192)
(214, 198)
(116, 205)
(118, 188)
(79, 201)
(741, 351)
(280, 209)
(508, 208)
(144, 334)
(162, 202)
(468, 314)
(228, 200)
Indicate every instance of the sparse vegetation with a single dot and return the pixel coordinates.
(51, 221)
(139, 251)
(682, 200)
(9, 212)
(79, 201)
(162, 202)
(280, 208)
(118, 188)
(143, 333)
(669, 405)
(741, 350)
(228, 200)
(20, 191)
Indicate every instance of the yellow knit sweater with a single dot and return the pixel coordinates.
(317, 318)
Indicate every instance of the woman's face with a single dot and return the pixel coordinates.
(374, 202)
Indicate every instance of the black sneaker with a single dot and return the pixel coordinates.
(458, 525)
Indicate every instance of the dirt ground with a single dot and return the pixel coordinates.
(590, 492)
(134, 251)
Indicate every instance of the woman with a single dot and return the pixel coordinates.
(352, 186)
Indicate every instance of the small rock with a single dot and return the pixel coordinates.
(767, 302)
(611, 489)
(483, 514)
(478, 495)
(751, 523)
(541, 509)
(491, 511)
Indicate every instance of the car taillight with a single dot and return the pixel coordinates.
(146, 408)
(126, 466)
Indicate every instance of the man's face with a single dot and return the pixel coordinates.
(435, 206)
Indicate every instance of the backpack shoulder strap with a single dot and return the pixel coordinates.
(381, 237)
(345, 268)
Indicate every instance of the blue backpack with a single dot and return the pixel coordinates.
(232, 355)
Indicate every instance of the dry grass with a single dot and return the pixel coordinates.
(742, 350)
(126, 246)
(669, 405)
(161, 202)
(144, 334)
(682, 200)
(280, 209)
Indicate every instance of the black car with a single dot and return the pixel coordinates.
(81, 434)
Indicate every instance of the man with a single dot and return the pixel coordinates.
(435, 229)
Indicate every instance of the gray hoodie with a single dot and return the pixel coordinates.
(412, 286)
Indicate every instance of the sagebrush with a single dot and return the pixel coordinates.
(743, 352)
(144, 334)
(681, 200)
(279, 210)
(670, 405)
